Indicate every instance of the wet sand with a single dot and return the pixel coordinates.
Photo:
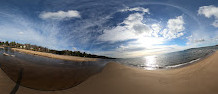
(6, 84)
(49, 55)
(43, 73)
(46, 77)
(197, 78)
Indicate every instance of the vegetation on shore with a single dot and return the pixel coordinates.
(47, 50)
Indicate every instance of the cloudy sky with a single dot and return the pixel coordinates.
(116, 28)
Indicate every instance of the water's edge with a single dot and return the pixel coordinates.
(181, 65)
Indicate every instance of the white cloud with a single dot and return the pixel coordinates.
(133, 28)
(201, 38)
(118, 33)
(156, 29)
(195, 39)
(141, 9)
(146, 39)
(20, 29)
(59, 15)
(174, 28)
(215, 23)
(21, 32)
(209, 11)
(132, 51)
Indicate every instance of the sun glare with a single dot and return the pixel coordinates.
(150, 62)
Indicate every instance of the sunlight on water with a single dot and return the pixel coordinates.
(151, 62)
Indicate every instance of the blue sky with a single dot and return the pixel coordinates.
(116, 28)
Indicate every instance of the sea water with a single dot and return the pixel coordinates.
(169, 60)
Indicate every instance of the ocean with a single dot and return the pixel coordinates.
(169, 60)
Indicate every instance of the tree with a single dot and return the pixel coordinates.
(44, 49)
(6, 43)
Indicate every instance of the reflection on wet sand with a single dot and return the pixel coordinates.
(18, 82)
(45, 73)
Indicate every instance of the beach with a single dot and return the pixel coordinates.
(198, 78)
(55, 56)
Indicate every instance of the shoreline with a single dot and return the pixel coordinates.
(181, 65)
(190, 62)
(80, 59)
(197, 78)
(50, 55)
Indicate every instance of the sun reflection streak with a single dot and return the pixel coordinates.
(151, 62)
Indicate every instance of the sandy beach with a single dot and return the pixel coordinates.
(49, 55)
(197, 78)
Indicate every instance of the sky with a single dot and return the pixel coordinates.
(115, 28)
